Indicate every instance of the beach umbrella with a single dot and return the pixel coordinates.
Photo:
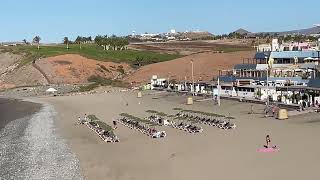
(309, 59)
(51, 90)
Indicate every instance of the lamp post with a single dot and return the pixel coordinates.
(267, 80)
(218, 97)
(192, 77)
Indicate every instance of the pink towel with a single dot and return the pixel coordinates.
(268, 150)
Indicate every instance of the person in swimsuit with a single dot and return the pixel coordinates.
(268, 141)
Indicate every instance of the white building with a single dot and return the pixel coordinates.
(173, 31)
(275, 45)
(264, 48)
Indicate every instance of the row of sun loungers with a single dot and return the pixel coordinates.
(159, 120)
(181, 126)
(187, 127)
(106, 136)
(133, 124)
(208, 120)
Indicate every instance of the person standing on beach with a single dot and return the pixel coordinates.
(268, 141)
(85, 117)
(251, 110)
(79, 120)
(274, 109)
(114, 124)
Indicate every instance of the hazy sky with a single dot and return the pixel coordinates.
(54, 19)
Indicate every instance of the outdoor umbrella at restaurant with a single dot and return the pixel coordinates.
(51, 90)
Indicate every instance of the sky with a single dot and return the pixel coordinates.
(54, 19)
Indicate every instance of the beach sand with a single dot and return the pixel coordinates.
(214, 154)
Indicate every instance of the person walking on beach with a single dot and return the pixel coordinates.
(274, 109)
(251, 110)
(114, 124)
(85, 117)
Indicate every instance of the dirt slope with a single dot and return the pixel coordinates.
(11, 76)
(24, 76)
(74, 69)
(206, 66)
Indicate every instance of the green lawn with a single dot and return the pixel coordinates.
(90, 51)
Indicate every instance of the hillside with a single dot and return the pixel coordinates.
(305, 31)
(31, 53)
(242, 31)
(57, 65)
(206, 66)
(75, 69)
(192, 47)
(196, 35)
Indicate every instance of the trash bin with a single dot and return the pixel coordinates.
(189, 101)
(139, 95)
(283, 114)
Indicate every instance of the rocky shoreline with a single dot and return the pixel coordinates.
(31, 148)
(36, 91)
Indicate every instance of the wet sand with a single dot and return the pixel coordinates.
(12, 109)
(214, 154)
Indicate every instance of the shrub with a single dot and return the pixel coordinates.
(104, 67)
(88, 87)
(120, 69)
(177, 109)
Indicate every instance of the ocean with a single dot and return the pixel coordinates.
(30, 147)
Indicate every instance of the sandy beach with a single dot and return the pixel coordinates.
(213, 154)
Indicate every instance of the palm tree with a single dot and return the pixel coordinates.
(79, 41)
(66, 41)
(25, 41)
(37, 40)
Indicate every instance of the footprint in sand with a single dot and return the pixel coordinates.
(173, 155)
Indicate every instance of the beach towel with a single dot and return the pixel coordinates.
(268, 150)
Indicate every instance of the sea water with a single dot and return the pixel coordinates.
(30, 148)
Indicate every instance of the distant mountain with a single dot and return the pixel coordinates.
(308, 31)
(242, 31)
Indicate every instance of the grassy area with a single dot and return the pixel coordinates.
(226, 48)
(91, 51)
(97, 81)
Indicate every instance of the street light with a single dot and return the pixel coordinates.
(192, 77)
(267, 80)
